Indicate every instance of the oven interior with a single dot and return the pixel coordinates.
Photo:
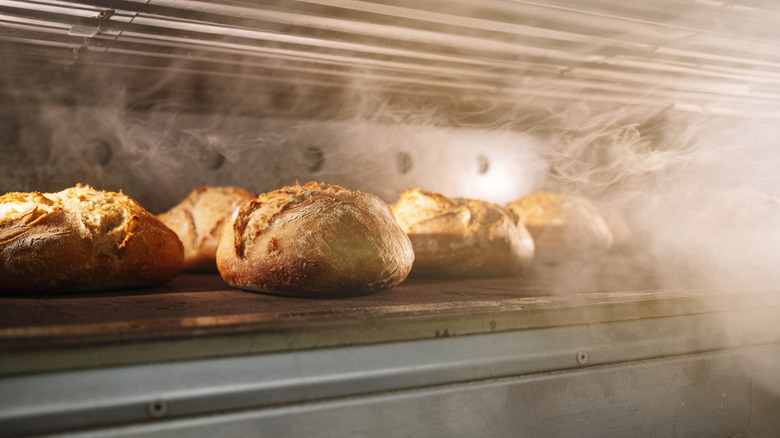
(664, 113)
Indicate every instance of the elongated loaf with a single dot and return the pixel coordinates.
(82, 239)
(199, 219)
(563, 226)
(457, 237)
(314, 240)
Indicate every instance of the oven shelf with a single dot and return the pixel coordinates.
(200, 316)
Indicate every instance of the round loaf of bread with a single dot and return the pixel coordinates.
(314, 240)
(82, 239)
(199, 219)
(563, 226)
(457, 237)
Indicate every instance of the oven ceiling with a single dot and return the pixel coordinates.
(712, 56)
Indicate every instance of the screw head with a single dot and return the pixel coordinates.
(157, 408)
(582, 357)
(483, 164)
(404, 162)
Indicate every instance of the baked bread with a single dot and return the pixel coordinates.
(457, 237)
(314, 240)
(563, 226)
(198, 221)
(82, 239)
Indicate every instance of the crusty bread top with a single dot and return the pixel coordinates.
(255, 217)
(199, 219)
(540, 209)
(461, 237)
(82, 239)
(314, 240)
(108, 216)
(420, 210)
(563, 226)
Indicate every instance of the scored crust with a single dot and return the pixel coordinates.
(563, 226)
(199, 220)
(458, 237)
(82, 239)
(314, 240)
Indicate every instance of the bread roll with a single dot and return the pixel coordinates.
(82, 239)
(314, 240)
(198, 221)
(563, 226)
(462, 237)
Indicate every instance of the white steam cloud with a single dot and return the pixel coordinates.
(699, 193)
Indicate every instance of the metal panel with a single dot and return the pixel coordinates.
(62, 401)
(158, 157)
(713, 56)
(702, 396)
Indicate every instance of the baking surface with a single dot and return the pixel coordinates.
(194, 304)
(200, 315)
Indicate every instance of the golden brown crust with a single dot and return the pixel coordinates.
(314, 240)
(563, 226)
(457, 237)
(199, 221)
(82, 239)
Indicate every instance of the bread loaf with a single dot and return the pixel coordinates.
(563, 226)
(456, 237)
(198, 221)
(82, 239)
(314, 240)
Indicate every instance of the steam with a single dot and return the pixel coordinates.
(667, 172)
(698, 191)
(158, 151)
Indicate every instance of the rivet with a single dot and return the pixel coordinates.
(157, 408)
(404, 162)
(99, 152)
(314, 158)
(215, 161)
(582, 357)
(483, 164)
